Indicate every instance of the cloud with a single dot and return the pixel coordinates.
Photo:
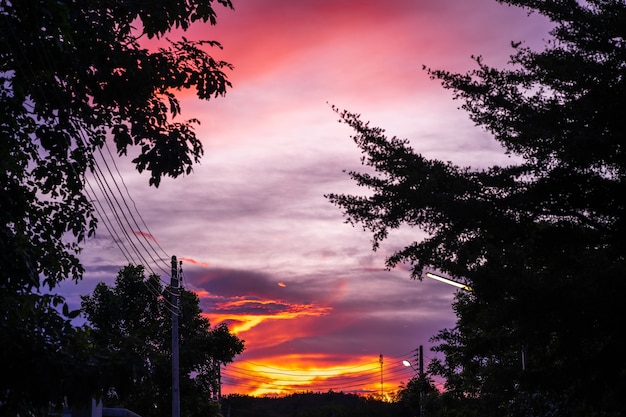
(194, 262)
(145, 235)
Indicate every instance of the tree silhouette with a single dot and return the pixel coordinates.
(540, 241)
(73, 75)
(132, 329)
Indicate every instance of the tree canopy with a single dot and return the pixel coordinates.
(540, 241)
(310, 404)
(74, 74)
(131, 328)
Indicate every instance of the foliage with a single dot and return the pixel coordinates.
(420, 397)
(540, 241)
(73, 74)
(132, 324)
(45, 349)
(329, 404)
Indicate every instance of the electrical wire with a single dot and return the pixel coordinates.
(106, 145)
(120, 234)
(131, 215)
(334, 369)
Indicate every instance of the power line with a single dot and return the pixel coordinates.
(130, 214)
(133, 249)
(120, 234)
(132, 200)
(333, 369)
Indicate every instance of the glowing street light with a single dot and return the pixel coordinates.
(449, 281)
(421, 376)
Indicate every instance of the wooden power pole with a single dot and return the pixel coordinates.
(422, 380)
(175, 358)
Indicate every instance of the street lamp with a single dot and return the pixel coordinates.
(420, 357)
(449, 281)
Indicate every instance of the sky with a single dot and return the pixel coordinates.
(262, 247)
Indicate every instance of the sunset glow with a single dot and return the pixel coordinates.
(261, 246)
(288, 374)
(235, 313)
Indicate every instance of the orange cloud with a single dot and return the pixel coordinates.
(202, 293)
(194, 262)
(145, 235)
(249, 313)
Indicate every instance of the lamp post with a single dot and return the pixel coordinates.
(421, 376)
(468, 288)
(421, 379)
(449, 281)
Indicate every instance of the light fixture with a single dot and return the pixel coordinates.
(449, 281)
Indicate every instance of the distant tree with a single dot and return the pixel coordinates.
(329, 404)
(419, 397)
(132, 324)
(541, 241)
(73, 75)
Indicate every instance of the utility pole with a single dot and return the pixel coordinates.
(219, 382)
(422, 380)
(175, 359)
(421, 361)
(380, 360)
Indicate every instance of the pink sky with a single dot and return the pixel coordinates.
(261, 245)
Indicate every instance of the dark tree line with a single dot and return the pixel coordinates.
(541, 241)
(329, 404)
(73, 74)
